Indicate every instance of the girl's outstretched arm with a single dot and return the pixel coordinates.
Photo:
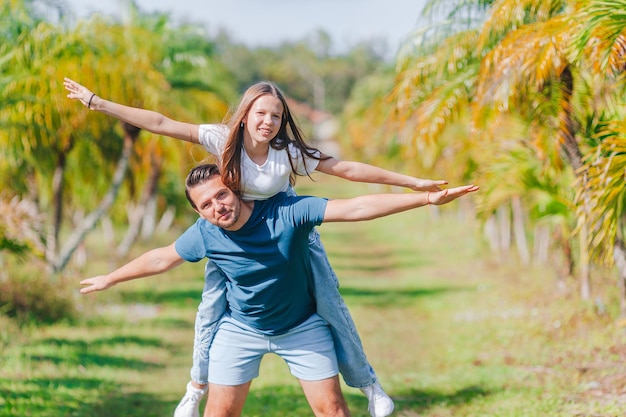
(145, 119)
(360, 172)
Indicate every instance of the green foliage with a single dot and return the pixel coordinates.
(13, 246)
(47, 139)
(606, 191)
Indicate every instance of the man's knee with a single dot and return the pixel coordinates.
(226, 401)
(334, 408)
(325, 397)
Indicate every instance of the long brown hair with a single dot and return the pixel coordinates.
(289, 132)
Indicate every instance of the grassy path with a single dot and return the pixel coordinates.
(449, 332)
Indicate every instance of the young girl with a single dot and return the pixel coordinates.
(260, 150)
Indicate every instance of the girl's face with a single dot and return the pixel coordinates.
(263, 120)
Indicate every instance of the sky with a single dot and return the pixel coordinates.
(269, 22)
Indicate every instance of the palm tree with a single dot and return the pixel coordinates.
(539, 61)
(542, 88)
(198, 87)
(48, 139)
(587, 96)
(600, 46)
(479, 77)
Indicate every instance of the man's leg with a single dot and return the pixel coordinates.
(234, 361)
(325, 397)
(225, 400)
(309, 352)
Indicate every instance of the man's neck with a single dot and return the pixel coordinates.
(247, 206)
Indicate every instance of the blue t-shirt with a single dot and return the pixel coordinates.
(266, 262)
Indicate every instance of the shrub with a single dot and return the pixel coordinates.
(39, 300)
(20, 230)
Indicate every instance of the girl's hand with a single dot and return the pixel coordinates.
(78, 92)
(428, 185)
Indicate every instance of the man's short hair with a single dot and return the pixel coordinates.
(197, 176)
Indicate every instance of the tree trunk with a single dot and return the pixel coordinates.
(619, 256)
(518, 229)
(148, 223)
(166, 220)
(569, 148)
(491, 233)
(90, 221)
(585, 282)
(503, 216)
(137, 213)
(134, 213)
(541, 246)
(52, 239)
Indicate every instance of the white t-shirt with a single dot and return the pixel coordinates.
(259, 182)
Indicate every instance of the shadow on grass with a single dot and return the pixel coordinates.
(395, 297)
(290, 401)
(92, 359)
(276, 401)
(97, 398)
(105, 341)
(77, 397)
(377, 258)
(417, 401)
(173, 298)
(84, 353)
(375, 266)
(105, 320)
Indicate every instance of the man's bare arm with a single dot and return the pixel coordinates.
(153, 262)
(373, 206)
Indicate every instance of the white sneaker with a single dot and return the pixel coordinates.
(380, 404)
(188, 405)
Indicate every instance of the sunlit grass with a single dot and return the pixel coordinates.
(450, 330)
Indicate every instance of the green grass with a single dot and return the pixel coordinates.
(450, 329)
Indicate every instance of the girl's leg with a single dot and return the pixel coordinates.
(353, 364)
(210, 310)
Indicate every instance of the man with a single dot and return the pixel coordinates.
(262, 248)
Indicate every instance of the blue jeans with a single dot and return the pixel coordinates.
(210, 311)
(353, 364)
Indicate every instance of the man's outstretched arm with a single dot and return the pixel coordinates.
(373, 206)
(153, 262)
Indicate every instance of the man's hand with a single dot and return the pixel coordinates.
(445, 196)
(98, 283)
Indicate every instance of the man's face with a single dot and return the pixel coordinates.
(216, 203)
